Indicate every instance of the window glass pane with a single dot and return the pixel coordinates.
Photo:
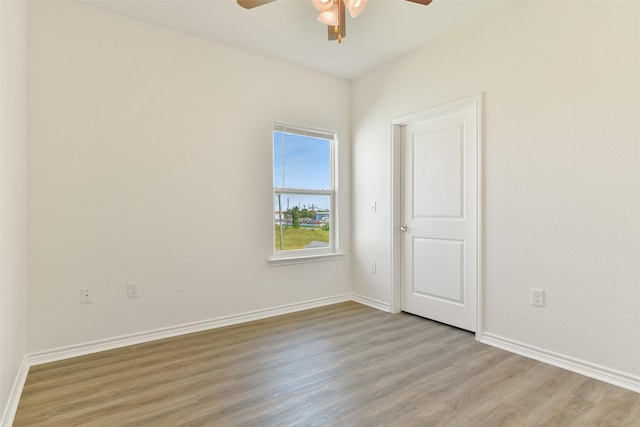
(301, 162)
(278, 160)
(302, 221)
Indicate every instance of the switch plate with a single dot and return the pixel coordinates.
(373, 207)
(373, 268)
(537, 297)
(86, 296)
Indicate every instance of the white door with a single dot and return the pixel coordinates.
(439, 232)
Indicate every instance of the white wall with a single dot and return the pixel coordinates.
(13, 202)
(562, 156)
(150, 160)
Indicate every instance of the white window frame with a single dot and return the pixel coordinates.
(310, 254)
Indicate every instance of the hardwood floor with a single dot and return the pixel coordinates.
(341, 365)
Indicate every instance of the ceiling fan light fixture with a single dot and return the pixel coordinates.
(332, 12)
(355, 6)
(330, 17)
(323, 5)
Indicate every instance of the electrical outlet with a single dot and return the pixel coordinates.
(133, 291)
(86, 296)
(537, 297)
(373, 268)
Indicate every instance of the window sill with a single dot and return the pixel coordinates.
(276, 262)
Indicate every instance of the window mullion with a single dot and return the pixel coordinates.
(279, 190)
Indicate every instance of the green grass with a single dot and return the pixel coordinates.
(299, 238)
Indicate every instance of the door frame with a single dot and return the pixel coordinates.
(474, 101)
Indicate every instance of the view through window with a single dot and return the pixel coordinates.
(303, 189)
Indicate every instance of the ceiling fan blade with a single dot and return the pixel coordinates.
(342, 29)
(422, 2)
(250, 4)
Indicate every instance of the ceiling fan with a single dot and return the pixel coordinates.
(332, 12)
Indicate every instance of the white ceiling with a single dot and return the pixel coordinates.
(288, 29)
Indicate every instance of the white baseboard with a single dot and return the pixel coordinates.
(620, 379)
(14, 395)
(68, 352)
(611, 376)
(383, 306)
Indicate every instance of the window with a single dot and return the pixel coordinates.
(304, 191)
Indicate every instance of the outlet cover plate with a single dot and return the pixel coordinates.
(537, 297)
(133, 290)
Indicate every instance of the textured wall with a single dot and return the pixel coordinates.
(562, 210)
(150, 160)
(13, 198)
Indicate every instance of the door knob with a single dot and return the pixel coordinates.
(404, 227)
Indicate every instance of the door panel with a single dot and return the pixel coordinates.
(439, 266)
(438, 155)
(439, 209)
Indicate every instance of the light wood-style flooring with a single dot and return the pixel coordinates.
(341, 365)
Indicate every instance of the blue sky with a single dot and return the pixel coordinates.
(307, 163)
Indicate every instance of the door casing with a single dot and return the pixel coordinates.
(475, 101)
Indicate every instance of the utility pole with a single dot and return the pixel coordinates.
(280, 217)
